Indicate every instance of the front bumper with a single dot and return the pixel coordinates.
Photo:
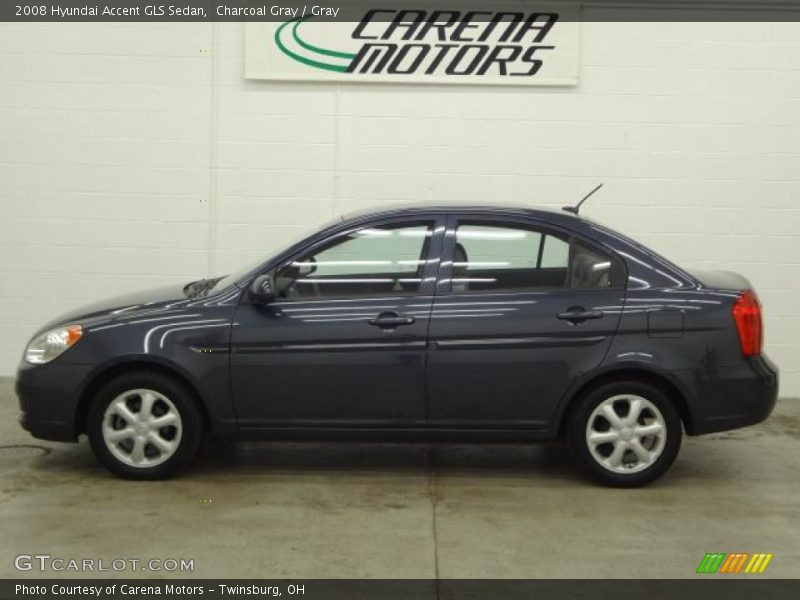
(49, 398)
(735, 397)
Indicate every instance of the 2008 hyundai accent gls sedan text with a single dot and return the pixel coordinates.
(460, 324)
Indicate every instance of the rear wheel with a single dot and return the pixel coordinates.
(144, 425)
(625, 433)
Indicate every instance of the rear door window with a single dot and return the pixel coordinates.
(507, 257)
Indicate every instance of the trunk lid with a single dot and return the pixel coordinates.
(721, 280)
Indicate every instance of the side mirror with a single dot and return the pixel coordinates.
(262, 290)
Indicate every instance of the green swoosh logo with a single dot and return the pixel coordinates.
(311, 62)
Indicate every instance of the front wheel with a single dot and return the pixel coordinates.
(144, 426)
(625, 433)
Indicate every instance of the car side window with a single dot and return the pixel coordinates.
(489, 257)
(373, 261)
(588, 267)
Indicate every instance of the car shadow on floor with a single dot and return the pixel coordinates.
(225, 457)
(547, 463)
(344, 457)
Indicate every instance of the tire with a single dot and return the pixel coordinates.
(133, 446)
(622, 454)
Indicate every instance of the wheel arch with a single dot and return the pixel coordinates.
(105, 374)
(637, 373)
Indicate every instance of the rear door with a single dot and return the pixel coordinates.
(521, 310)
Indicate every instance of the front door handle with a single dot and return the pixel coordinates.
(579, 315)
(390, 320)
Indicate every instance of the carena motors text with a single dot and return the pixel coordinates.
(403, 42)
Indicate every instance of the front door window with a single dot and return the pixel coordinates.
(373, 261)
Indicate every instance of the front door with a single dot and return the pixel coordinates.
(344, 342)
(521, 311)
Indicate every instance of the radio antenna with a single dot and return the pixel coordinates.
(574, 209)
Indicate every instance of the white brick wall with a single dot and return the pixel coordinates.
(134, 154)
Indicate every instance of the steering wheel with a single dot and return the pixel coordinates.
(311, 265)
(312, 268)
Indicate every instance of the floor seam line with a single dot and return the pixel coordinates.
(432, 497)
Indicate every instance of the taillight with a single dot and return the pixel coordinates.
(747, 316)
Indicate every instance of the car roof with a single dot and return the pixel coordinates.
(461, 207)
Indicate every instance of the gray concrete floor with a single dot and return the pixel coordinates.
(407, 511)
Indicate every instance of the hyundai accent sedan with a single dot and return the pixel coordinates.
(469, 324)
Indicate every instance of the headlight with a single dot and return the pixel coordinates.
(47, 346)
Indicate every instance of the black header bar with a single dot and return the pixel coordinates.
(353, 10)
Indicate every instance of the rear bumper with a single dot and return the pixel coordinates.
(48, 399)
(736, 397)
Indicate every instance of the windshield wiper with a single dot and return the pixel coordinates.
(201, 286)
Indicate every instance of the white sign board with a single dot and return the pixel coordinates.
(530, 45)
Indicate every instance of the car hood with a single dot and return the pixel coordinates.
(125, 306)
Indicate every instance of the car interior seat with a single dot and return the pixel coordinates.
(460, 270)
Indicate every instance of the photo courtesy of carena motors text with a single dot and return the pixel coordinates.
(371, 299)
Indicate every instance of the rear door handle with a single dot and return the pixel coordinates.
(390, 320)
(578, 315)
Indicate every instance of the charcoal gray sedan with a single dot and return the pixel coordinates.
(468, 324)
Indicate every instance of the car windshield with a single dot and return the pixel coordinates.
(227, 280)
